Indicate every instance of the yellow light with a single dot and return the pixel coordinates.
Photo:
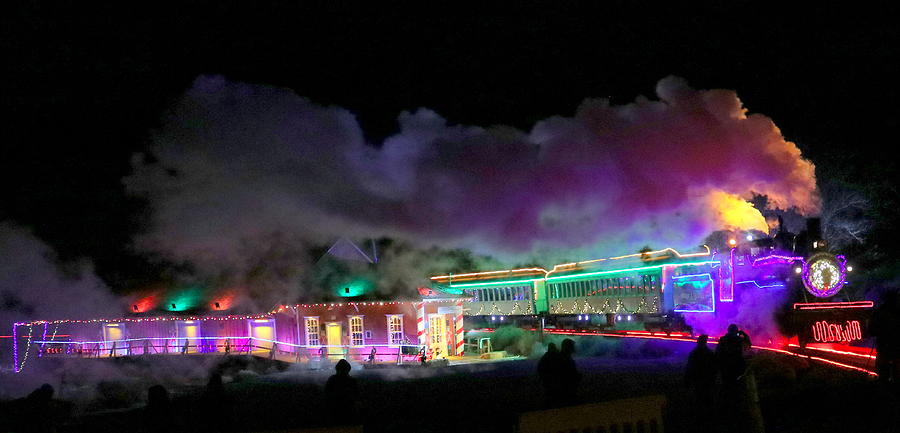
(564, 266)
(732, 242)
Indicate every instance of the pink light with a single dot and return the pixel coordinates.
(832, 305)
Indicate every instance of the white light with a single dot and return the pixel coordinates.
(502, 318)
(493, 318)
(798, 270)
(849, 268)
(749, 237)
(629, 317)
(618, 317)
(815, 244)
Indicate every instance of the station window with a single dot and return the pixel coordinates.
(395, 329)
(312, 331)
(357, 337)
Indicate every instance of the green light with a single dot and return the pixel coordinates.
(498, 283)
(357, 287)
(589, 274)
(569, 277)
(184, 299)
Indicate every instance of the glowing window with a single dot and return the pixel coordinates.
(357, 336)
(312, 331)
(395, 329)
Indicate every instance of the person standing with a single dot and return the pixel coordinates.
(700, 374)
(547, 373)
(700, 377)
(568, 373)
(341, 395)
(730, 355)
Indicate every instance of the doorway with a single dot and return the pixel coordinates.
(333, 339)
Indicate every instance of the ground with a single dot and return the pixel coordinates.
(794, 395)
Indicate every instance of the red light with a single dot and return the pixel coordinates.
(145, 304)
(223, 302)
(832, 305)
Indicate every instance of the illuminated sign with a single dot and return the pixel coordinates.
(694, 293)
(826, 332)
(832, 322)
(824, 274)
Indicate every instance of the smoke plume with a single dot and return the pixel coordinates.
(241, 176)
(34, 284)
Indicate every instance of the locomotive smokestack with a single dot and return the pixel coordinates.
(814, 234)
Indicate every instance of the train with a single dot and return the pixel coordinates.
(653, 290)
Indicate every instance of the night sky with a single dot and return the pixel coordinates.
(84, 87)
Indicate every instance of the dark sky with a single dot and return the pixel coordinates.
(83, 88)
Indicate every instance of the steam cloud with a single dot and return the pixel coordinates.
(34, 284)
(244, 177)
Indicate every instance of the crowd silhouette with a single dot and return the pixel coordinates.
(559, 375)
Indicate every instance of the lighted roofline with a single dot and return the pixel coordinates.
(673, 250)
(573, 264)
(272, 312)
(589, 274)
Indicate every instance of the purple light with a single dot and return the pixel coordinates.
(15, 348)
(775, 258)
(778, 285)
(43, 337)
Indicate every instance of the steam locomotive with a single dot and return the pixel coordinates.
(650, 290)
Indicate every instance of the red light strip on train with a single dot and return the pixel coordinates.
(840, 352)
(832, 305)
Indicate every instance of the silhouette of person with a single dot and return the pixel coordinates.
(730, 354)
(215, 406)
(38, 413)
(568, 373)
(158, 414)
(885, 324)
(730, 357)
(547, 370)
(700, 376)
(341, 395)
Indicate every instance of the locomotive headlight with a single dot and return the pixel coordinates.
(849, 268)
